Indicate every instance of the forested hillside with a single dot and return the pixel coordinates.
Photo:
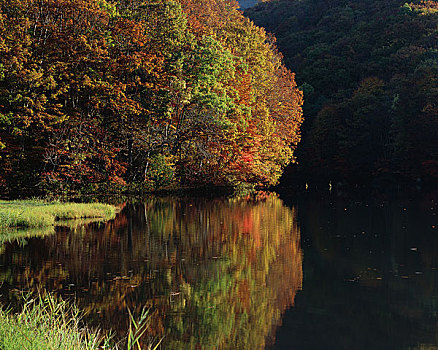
(98, 95)
(369, 72)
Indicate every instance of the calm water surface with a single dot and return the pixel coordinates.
(259, 273)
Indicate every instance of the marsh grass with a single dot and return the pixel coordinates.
(50, 323)
(137, 328)
(47, 323)
(38, 213)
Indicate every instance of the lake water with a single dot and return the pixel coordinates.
(247, 273)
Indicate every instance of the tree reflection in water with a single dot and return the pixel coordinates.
(218, 274)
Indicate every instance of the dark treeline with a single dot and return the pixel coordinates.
(98, 95)
(369, 72)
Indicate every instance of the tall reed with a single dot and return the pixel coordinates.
(51, 323)
(46, 323)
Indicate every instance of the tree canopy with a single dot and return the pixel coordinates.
(369, 71)
(98, 94)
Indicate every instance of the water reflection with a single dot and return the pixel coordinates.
(218, 273)
(370, 276)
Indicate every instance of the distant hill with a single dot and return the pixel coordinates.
(245, 4)
(369, 72)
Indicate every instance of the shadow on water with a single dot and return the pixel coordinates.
(370, 276)
(217, 273)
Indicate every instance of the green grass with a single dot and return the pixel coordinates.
(51, 323)
(38, 213)
(46, 323)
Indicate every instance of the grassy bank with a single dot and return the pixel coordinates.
(46, 323)
(50, 323)
(38, 213)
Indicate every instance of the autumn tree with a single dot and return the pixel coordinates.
(145, 93)
(266, 136)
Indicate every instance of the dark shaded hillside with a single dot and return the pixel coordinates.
(369, 72)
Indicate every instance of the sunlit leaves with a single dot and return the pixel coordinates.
(95, 92)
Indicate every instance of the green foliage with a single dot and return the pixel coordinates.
(110, 8)
(160, 171)
(264, 108)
